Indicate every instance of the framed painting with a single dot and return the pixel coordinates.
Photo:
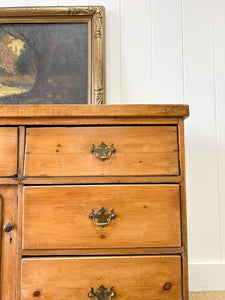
(52, 55)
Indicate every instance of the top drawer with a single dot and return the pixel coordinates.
(65, 151)
(8, 151)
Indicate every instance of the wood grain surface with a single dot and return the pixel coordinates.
(94, 180)
(56, 251)
(8, 242)
(102, 251)
(84, 111)
(59, 121)
(131, 277)
(8, 151)
(65, 151)
(57, 217)
(184, 255)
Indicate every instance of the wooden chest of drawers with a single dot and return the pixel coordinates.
(93, 202)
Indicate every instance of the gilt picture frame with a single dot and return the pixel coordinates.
(52, 55)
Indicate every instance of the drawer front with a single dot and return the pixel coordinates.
(153, 277)
(140, 150)
(58, 217)
(8, 151)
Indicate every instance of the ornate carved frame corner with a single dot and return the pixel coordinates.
(93, 15)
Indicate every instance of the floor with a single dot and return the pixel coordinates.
(207, 296)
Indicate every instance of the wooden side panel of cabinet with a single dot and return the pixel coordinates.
(143, 277)
(8, 242)
(183, 211)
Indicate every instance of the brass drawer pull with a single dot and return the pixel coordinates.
(103, 218)
(102, 293)
(103, 151)
(8, 227)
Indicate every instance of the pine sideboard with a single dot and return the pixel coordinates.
(93, 202)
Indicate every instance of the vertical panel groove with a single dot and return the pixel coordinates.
(216, 127)
(151, 47)
(182, 47)
(121, 102)
(218, 8)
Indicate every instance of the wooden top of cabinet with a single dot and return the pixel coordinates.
(92, 111)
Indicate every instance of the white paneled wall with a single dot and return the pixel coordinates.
(166, 45)
(199, 90)
(218, 11)
(173, 51)
(135, 56)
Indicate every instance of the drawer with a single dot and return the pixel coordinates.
(61, 217)
(8, 151)
(65, 151)
(147, 277)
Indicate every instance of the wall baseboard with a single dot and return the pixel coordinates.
(206, 277)
(207, 296)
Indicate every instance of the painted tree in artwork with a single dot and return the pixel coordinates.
(7, 56)
(41, 45)
(48, 50)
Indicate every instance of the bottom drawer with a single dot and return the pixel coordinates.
(142, 277)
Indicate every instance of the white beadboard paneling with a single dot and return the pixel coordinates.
(167, 68)
(13, 3)
(42, 2)
(136, 52)
(201, 152)
(99, 2)
(73, 2)
(219, 42)
(112, 49)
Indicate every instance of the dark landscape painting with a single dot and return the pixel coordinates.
(44, 63)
